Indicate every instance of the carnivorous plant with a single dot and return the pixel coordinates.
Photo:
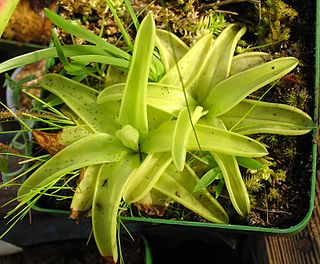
(131, 138)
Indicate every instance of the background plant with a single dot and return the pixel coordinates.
(6, 9)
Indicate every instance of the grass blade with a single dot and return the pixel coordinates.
(123, 31)
(249, 163)
(44, 54)
(107, 60)
(80, 32)
(132, 14)
(207, 179)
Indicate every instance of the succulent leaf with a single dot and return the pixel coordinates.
(109, 188)
(83, 195)
(146, 175)
(71, 134)
(82, 100)
(210, 139)
(217, 67)
(179, 186)
(188, 68)
(133, 109)
(228, 93)
(93, 149)
(129, 137)
(181, 134)
(171, 48)
(165, 97)
(252, 117)
(247, 60)
(228, 165)
(233, 180)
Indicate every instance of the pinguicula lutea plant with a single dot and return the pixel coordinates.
(162, 101)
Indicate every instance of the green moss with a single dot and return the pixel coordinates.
(276, 18)
(187, 19)
(279, 176)
(253, 184)
(264, 184)
(87, 7)
(273, 194)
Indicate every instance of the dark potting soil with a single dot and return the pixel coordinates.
(294, 202)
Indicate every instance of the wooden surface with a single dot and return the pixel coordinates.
(303, 248)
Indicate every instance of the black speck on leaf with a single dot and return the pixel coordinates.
(105, 183)
(99, 206)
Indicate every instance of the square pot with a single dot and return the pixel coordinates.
(192, 228)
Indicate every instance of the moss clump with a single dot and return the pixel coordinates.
(276, 17)
(187, 19)
(91, 14)
(87, 7)
(264, 181)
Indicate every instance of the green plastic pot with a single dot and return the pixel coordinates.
(188, 228)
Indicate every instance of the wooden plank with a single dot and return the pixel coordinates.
(300, 248)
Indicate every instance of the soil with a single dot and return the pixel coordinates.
(293, 205)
